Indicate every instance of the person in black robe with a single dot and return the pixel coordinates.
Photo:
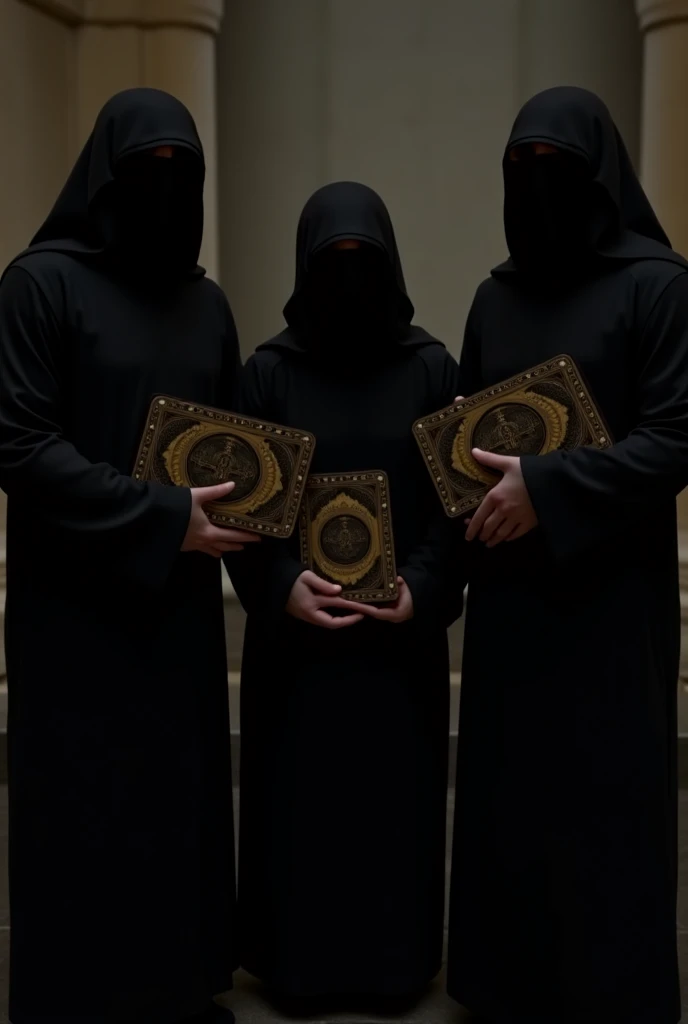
(344, 709)
(563, 898)
(121, 839)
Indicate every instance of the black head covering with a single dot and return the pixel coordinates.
(119, 202)
(589, 190)
(353, 297)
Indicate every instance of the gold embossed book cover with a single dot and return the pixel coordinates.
(346, 534)
(544, 409)
(191, 445)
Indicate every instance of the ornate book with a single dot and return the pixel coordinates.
(545, 409)
(346, 534)
(195, 446)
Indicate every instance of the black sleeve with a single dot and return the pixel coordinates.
(262, 574)
(582, 498)
(145, 522)
(431, 572)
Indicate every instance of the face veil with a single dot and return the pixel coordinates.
(122, 205)
(568, 211)
(347, 297)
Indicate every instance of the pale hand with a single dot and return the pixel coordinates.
(211, 540)
(311, 596)
(506, 512)
(400, 611)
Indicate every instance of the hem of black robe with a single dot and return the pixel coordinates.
(173, 1011)
(489, 1012)
(344, 985)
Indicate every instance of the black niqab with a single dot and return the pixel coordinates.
(352, 297)
(145, 215)
(587, 194)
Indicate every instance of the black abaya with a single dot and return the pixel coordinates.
(563, 902)
(345, 733)
(121, 840)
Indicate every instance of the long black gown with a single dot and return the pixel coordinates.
(121, 840)
(563, 903)
(345, 734)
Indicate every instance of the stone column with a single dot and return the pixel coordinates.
(664, 133)
(664, 159)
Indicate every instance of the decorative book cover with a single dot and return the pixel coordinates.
(545, 409)
(196, 446)
(346, 534)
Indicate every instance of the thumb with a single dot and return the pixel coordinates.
(321, 586)
(499, 462)
(204, 495)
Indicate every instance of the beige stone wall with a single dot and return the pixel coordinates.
(414, 97)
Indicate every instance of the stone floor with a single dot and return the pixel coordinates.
(250, 1003)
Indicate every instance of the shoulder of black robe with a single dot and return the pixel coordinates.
(585, 498)
(287, 341)
(132, 121)
(144, 522)
(577, 121)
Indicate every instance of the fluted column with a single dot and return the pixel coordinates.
(664, 133)
(664, 167)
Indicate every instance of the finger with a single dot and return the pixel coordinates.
(241, 536)
(492, 524)
(336, 622)
(358, 608)
(319, 585)
(389, 614)
(520, 531)
(216, 536)
(208, 550)
(498, 462)
(477, 522)
(459, 398)
(502, 533)
(225, 549)
(202, 495)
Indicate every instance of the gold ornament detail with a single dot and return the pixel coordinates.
(553, 414)
(344, 505)
(269, 481)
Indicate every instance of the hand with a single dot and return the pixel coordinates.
(309, 598)
(506, 513)
(401, 611)
(201, 535)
